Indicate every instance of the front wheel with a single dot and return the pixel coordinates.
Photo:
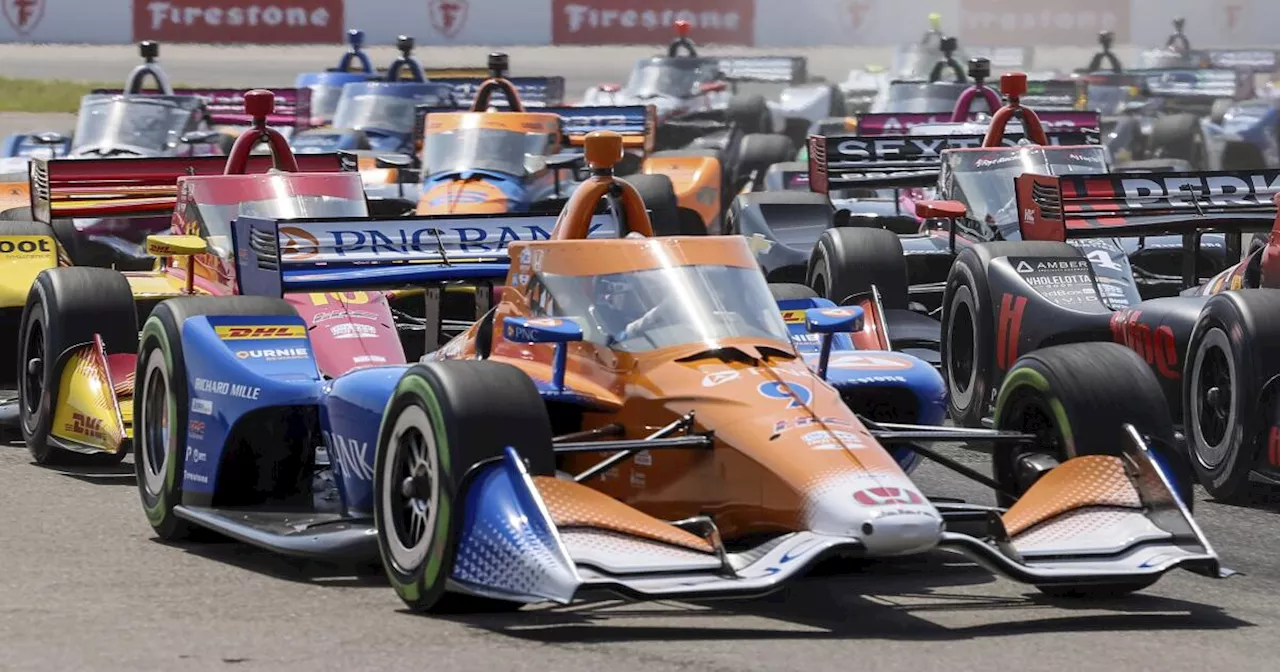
(65, 308)
(438, 425)
(1077, 399)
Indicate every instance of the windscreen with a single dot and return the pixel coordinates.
(324, 101)
(462, 149)
(144, 125)
(984, 180)
(923, 97)
(388, 108)
(667, 307)
(289, 199)
(674, 77)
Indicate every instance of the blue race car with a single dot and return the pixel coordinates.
(326, 87)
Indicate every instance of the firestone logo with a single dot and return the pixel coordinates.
(24, 15)
(448, 16)
(247, 15)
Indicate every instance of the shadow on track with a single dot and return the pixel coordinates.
(214, 547)
(884, 600)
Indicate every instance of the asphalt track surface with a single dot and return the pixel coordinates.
(84, 586)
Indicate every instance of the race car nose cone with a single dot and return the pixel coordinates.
(603, 149)
(888, 514)
(259, 103)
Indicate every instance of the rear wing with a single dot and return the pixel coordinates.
(444, 72)
(1046, 93)
(137, 187)
(1253, 61)
(275, 257)
(225, 107)
(1196, 84)
(894, 123)
(1005, 58)
(900, 161)
(635, 123)
(1093, 206)
(764, 69)
(533, 91)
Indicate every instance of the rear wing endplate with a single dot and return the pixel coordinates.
(765, 69)
(138, 187)
(276, 257)
(899, 161)
(1126, 204)
(225, 107)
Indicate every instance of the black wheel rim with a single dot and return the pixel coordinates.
(1028, 412)
(960, 348)
(1215, 390)
(33, 372)
(157, 422)
(411, 486)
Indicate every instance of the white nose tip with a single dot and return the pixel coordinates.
(886, 513)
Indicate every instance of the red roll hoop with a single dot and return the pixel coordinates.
(1013, 85)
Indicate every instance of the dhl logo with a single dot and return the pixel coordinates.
(248, 333)
(793, 316)
(86, 426)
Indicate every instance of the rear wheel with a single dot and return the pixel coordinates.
(659, 198)
(1178, 136)
(790, 291)
(847, 262)
(438, 425)
(65, 308)
(1226, 410)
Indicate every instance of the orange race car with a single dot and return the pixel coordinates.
(707, 457)
(501, 156)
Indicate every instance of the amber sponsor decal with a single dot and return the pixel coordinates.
(793, 316)
(651, 22)
(1018, 23)
(257, 332)
(239, 21)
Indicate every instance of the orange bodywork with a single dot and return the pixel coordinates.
(774, 456)
(697, 183)
(476, 196)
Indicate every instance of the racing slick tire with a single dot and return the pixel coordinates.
(65, 308)
(758, 151)
(750, 114)
(1077, 398)
(659, 197)
(1226, 400)
(848, 261)
(790, 291)
(1178, 136)
(161, 405)
(21, 214)
(969, 325)
(438, 426)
